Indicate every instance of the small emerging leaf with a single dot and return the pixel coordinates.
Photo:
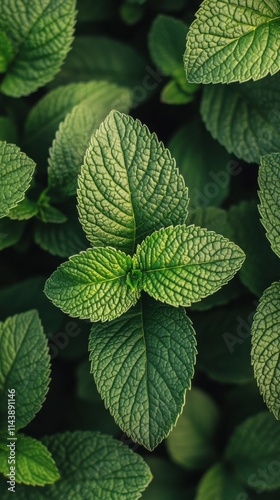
(25, 210)
(181, 265)
(218, 484)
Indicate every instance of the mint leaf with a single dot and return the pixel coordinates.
(218, 484)
(86, 61)
(25, 210)
(45, 117)
(16, 172)
(181, 265)
(172, 93)
(24, 366)
(73, 136)
(167, 40)
(6, 51)
(191, 442)
(49, 214)
(250, 128)
(62, 239)
(34, 463)
(129, 185)
(262, 266)
(93, 285)
(234, 41)
(269, 182)
(207, 170)
(143, 364)
(253, 446)
(93, 466)
(10, 232)
(41, 33)
(265, 347)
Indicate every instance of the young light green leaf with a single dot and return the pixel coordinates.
(93, 285)
(262, 266)
(62, 239)
(269, 182)
(34, 463)
(143, 364)
(181, 265)
(129, 185)
(191, 442)
(172, 93)
(41, 33)
(73, 137)
(24, 366)
(265, 347)
(233, 41)
(10, 232)
(254, 446)
(218, 484)
(6, 51)
(167, 40)
(86, 61)
(250, 127)
(207, 171)
(51, 215)
(25, 210)
(93, 466)
(16, 173)
(45, 117)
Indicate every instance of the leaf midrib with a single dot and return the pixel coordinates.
(195, 264)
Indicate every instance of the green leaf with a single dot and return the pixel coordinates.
(269, 182)
(10, 232)
(143, 364)
(34, 463)
(102, 58)
(191, 442)
(41, 33)
(52, 215)
(265, 347)
(99, 10)
(8, 131)
(73, 137)
(223, 336)
(253, 448)
(262, 266)
(92, 466)
(172, 93)
(62, 239)
(45, 117)
(233, 41)
(25, 210)
(24, 366)
(129, 185)
(131, 14)
(218, 484)
(6, 51)
(167, 40)
(93, 285)
(15, 176)
(181, 265)
(207, 170)
(250, 127)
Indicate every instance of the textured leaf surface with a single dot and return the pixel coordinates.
(253, 446)
(143, 364)
(41, 33)
(269, 182)
(24, 365)
(25, 210)
(233, 41)
(218, 484)
(93, 285)
(10, 232)
(266, 347)
(191, 442)
(129, 185)
(181, 265)
(86, 61)
(45, 117)
(262, 266)
(16, 171)
(34, 463)
(250, 127)
(73, 137)
(93, 466)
